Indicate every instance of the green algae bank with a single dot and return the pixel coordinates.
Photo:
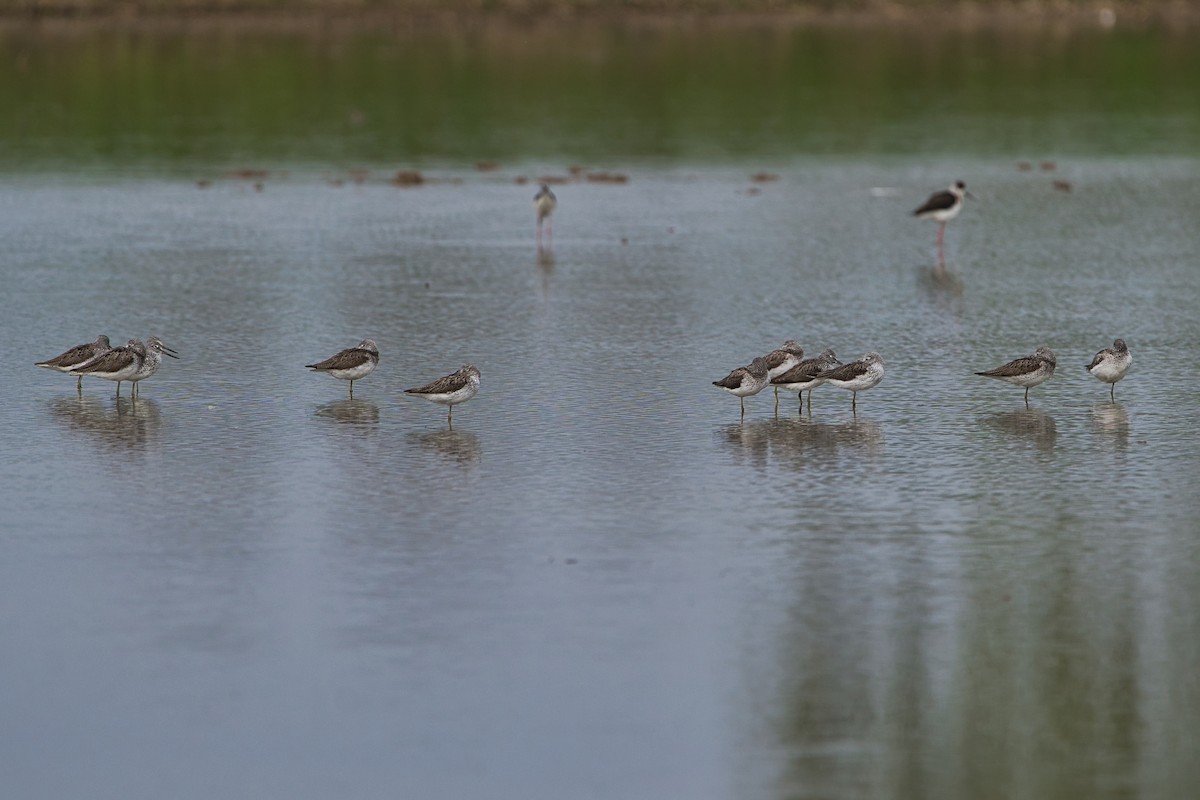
(601, 583)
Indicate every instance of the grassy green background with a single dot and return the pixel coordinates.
(98, 96)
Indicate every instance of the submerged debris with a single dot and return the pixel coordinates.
(408, 177)
(607, 177)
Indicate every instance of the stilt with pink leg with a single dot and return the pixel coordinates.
(941, 207)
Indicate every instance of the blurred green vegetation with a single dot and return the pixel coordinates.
(97, 96)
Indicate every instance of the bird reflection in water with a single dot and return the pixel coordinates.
(1112, 420)
(461, 447)
(750, 441)
(545, 266)
(943, 287)
(798, 441)
(350, 412)
(1028, 423)
(120, 422)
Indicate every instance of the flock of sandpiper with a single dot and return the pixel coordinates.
(135, 361)
(788, 369)
(784, 368)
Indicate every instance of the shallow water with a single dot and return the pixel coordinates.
(602, 582)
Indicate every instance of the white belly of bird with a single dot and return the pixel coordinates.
(801, 387)
(1111, 370)
(787, 364)
(1030, 379)
(748, 387)
(120, 375)
(454, 398)
(944, 214)
(354, 373)
(867, 380)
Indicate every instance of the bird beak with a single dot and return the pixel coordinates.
(968, 194)
(169, 352)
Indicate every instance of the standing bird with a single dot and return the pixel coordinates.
(544, 203)
(857, 376)
(118, 364)
(1028, 371)
(745, 381)
(1111, 364)
(155, 350)
(807, 375)
(78, 356)
(780, 361)
(457, 387)
(941, 207)
(352, 364)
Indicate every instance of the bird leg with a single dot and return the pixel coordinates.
(1112, 392)
(941, 235)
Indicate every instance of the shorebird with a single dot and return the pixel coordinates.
(544, 203)
(78, 356)
(781, 360)
(807, 375)
(118, 364)
(1111, 364)
(351, 364)
(857, 376)
(155, 350)
(941, 207)
(457, 387)
(745, 381)
(1028, 371)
